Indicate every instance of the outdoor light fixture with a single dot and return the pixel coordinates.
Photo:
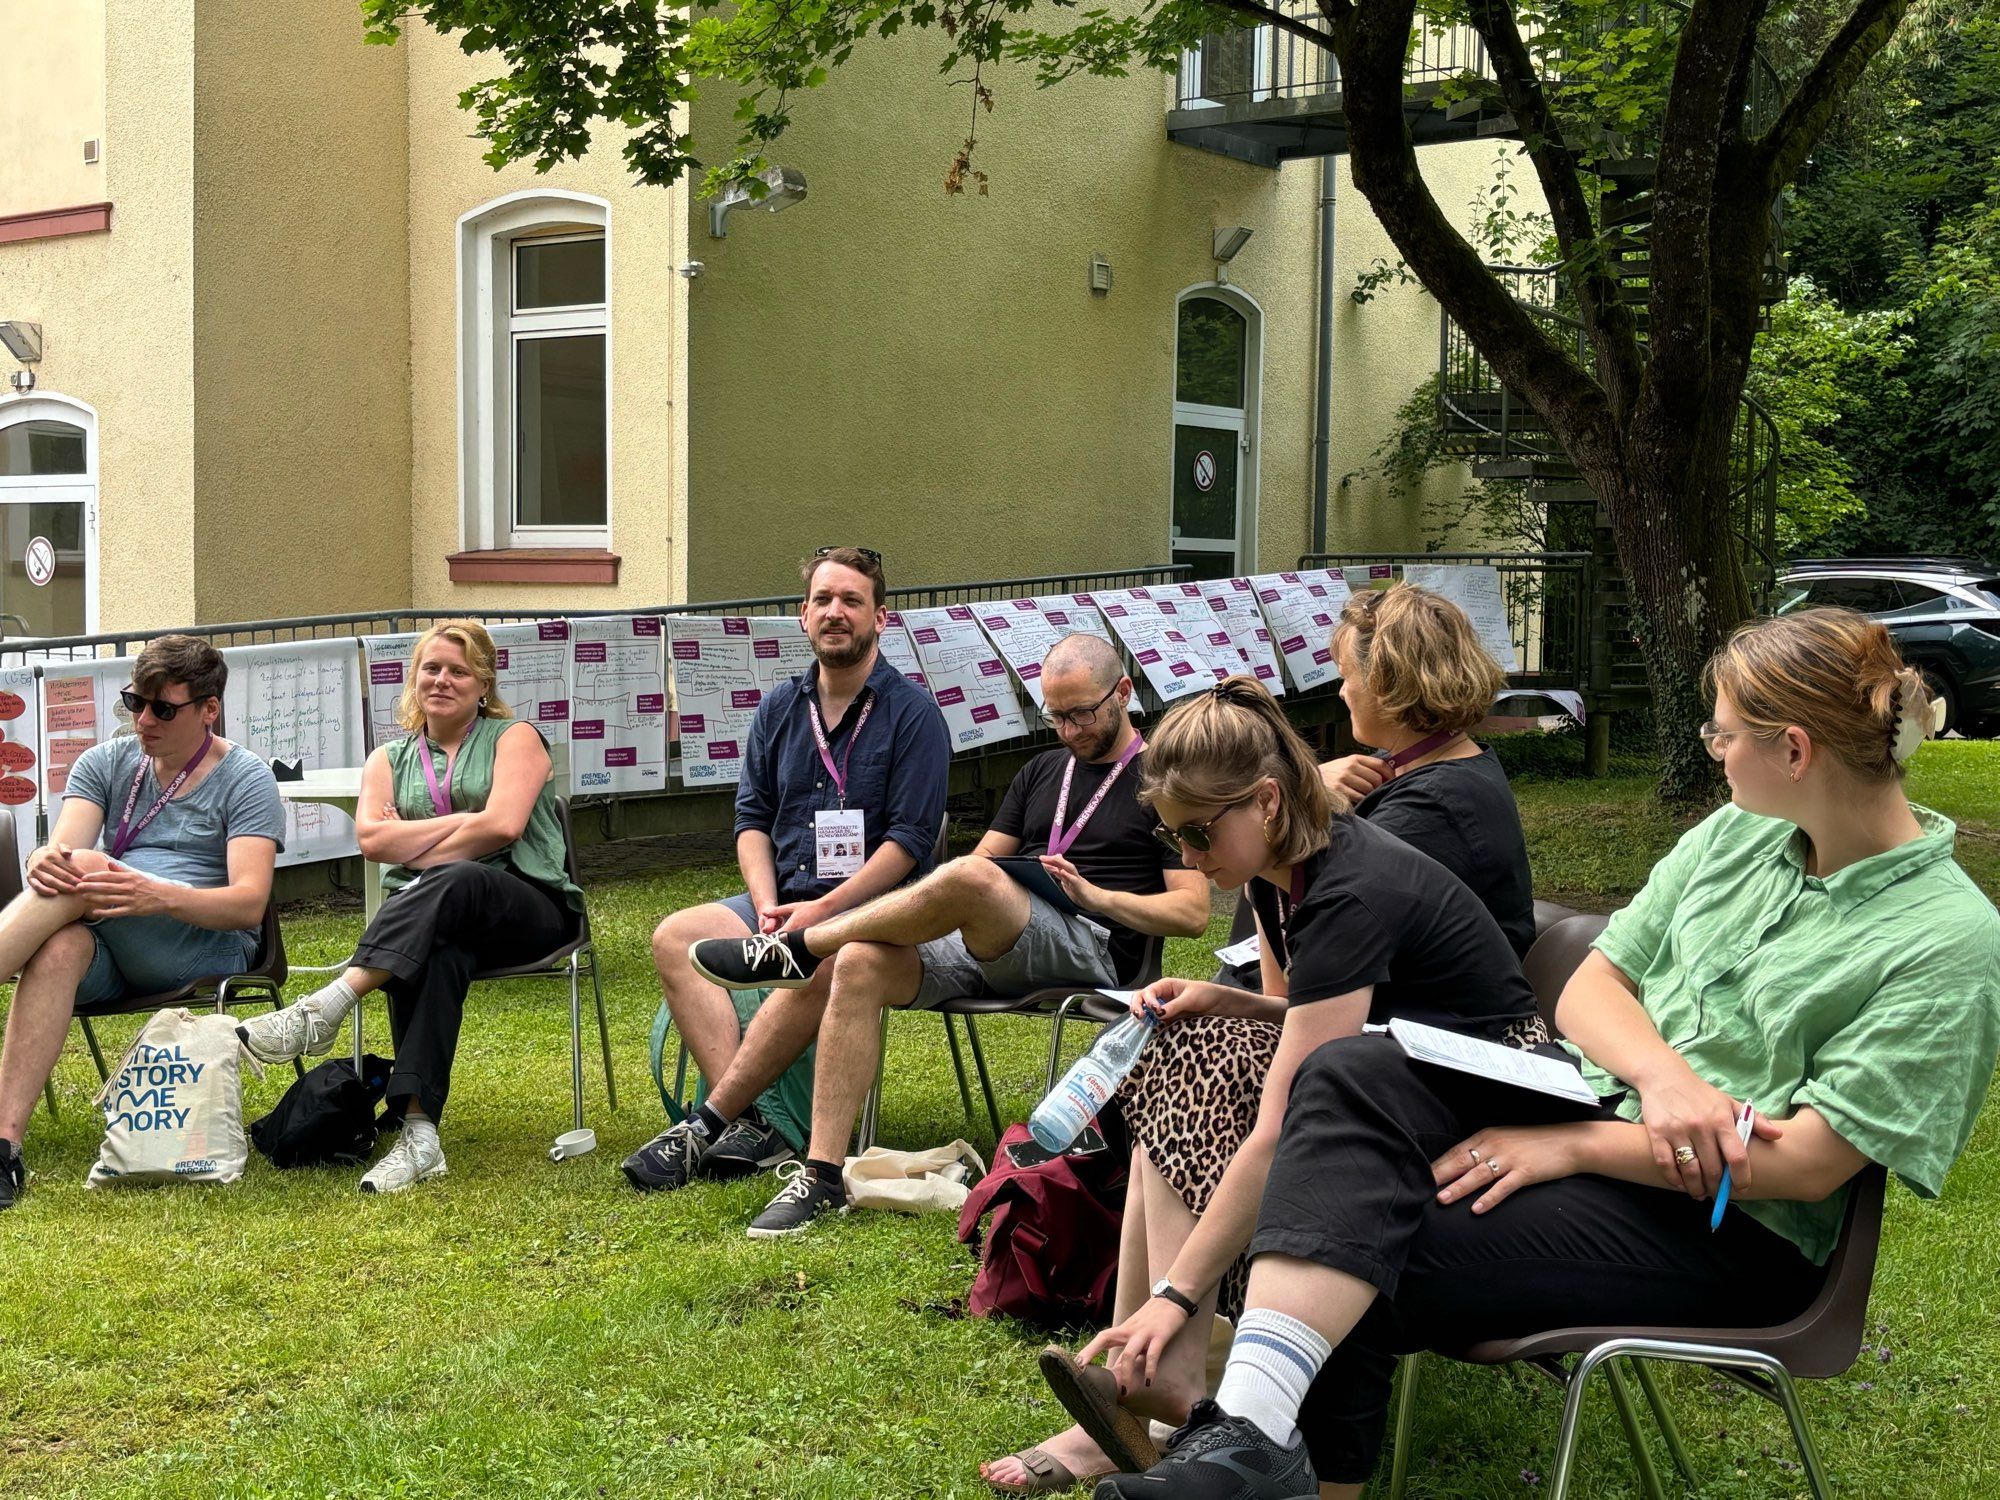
(23, 340)
(787, 186)
(1229, 241)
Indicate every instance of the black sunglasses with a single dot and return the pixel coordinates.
(163, 709)
(868, 552)
(1082, 718)
(1195, 835)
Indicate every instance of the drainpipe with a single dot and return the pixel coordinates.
(1323, 373)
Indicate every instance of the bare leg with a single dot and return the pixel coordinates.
(1182, 1378)
(1327, 1301)
(702, 1011)
(38, 1020)
(867, 977)
(784, 1026)
(365, 981)
(971, 896)
(31, 919)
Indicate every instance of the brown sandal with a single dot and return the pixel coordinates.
(1089, 1393)
(1046, 1475)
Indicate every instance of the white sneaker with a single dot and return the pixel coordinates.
(416, 1157)
(278, 1036)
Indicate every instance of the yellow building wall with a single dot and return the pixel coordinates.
(447, 179)
(51, 102)
(116, 311)
(301, 336)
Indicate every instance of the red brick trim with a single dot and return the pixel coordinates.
(53, 223)
(535, 565)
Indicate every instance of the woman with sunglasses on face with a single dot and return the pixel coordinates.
(1356, 925)
(464, 814)
(1807, 983)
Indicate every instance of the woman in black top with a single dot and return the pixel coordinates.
(1343, 908)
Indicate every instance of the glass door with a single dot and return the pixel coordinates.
(1210, 438)
(48, 523)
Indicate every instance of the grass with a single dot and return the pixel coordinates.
(524, 1329)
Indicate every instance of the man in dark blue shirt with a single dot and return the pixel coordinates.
(841, 799)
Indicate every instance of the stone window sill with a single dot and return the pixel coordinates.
(535, 565)
(53, 223)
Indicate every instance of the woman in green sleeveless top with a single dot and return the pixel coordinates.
(463, 813)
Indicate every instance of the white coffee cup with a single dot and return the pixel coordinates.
(573, 1143)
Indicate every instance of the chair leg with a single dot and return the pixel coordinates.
(958, 1065)
(1676, 1449)
(1055, 1045)
(49, 1094)
(359, 1066)
(985, 1078)
(1408, 1369)
(96, 1052)
(1635, 1435)
(575, 1047)
(871, 1107)
(1787, 1396)
(603, 1033)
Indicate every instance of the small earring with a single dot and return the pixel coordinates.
(482, 704)
(1267, 827)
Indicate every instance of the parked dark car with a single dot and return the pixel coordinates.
(1943, 611)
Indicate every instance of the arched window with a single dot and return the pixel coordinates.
(535, 336)
(1214, 481)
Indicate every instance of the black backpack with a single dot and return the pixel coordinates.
(327, 1117)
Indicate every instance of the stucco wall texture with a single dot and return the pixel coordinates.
(301, 348)
(52, 87)
(647, 231)
(117, 312)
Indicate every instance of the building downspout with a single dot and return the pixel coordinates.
(1323, 366)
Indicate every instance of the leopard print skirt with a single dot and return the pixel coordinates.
(1191, 1102)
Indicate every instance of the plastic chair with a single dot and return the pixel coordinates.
(571, 961)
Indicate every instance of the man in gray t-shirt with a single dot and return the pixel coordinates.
(157, 873)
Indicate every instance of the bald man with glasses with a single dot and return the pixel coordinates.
(973, 928)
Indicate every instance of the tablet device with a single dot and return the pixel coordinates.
(1029, 873)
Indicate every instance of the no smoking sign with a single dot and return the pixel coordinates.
(41, 561)
(1204, 471)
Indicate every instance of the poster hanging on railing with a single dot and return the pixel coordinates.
(1361, 577)
(1022, 635)
(385, 661)
(899, 652)
(1239, 627)
(1157, 645)
(1072, 613)
(300, 700)
(966, 676)
(783, 649)
(1476, 590)
(1301, 626)
(21, 758)
(80, 708)
(716, 694)
(618, 704)
(531, 670)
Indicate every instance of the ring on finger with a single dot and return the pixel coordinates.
(1683, 1155)
(1493, 1167)
(1473, 1152)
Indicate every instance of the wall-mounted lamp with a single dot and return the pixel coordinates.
(1227, 242)
(787, 185)
(24, 342)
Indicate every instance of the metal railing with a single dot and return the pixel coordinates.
(1549, 597)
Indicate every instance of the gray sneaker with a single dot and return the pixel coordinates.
(416, 1157)
(668, 1161)
(747, 1147)
(278, 1036)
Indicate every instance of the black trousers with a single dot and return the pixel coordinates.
(1351, 1188)
(432, 936)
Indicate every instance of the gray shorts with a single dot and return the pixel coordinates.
(150, 955)
(1052, 949)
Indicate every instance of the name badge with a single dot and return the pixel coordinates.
(841, 835)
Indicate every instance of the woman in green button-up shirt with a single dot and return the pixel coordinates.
(1811, 951)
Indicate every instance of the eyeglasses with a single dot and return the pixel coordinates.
(163, 709)
(1080, 718)
(868, 552)
(1715, 739)
(1195, 835)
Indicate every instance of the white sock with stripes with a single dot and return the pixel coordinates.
(1272, 1361)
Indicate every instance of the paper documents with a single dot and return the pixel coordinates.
(1246, 952)
(1483, 1059)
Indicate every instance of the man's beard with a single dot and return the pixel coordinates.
(859, 644)
(1106, 737)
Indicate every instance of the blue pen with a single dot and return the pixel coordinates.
(1722, 1193)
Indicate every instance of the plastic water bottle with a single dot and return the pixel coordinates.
(1092, 1079)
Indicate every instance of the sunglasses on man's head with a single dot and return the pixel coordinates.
(868, 552)
(163, 709)
(1195, 835)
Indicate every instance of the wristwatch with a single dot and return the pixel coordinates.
(1165, 1288)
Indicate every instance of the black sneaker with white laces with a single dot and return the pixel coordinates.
(766, 961)
(13, 1174)
(1219, 1457)
(747, 1147)
(802, 1199)
(669, 1160)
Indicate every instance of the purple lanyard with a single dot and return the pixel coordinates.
(838, 773)
(1059, 839)
(440, 795)
(1420, 749)
(122, 837)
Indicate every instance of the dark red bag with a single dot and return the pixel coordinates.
(1050, 1255)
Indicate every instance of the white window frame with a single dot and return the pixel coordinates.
(1246, 421)
(61, 488)
(1260, 82)
(489, 329)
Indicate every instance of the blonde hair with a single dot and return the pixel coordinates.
(1832, 672)
(1418, 656)
(1212, 750)
(470, 637)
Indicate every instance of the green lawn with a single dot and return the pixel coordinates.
(527, 1329)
